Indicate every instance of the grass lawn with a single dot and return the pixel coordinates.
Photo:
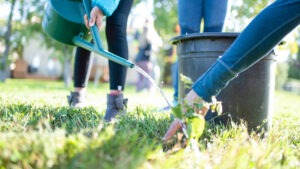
(39, 130)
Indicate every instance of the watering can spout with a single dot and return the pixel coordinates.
(78, 41)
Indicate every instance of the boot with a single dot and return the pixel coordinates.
(116, 104)
(77, 99)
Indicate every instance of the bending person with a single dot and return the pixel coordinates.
(117, 12)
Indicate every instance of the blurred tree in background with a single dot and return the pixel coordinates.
(241, 12)
(294, 68)
(25, 17)
(23, 23)
(5, 39)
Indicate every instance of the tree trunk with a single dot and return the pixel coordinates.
(3, 66)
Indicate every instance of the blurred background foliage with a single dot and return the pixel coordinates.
(21, 19)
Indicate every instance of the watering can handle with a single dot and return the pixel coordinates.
(97, 47)
(88, 7)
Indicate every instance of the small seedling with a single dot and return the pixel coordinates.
(189, 119)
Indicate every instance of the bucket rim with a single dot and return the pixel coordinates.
(190, 36)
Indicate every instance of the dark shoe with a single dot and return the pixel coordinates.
(116, 104)
(77, 99)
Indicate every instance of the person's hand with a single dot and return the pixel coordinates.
(96, 18)
(191, 98)
(176, 125)
(192, 103)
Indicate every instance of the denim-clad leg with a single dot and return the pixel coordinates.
(214, 13)
(259, 37)
(190, 14)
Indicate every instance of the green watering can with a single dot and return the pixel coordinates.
(63, 21)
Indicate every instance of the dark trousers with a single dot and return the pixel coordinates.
(116, 34)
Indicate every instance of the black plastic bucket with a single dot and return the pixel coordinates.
(248, 97)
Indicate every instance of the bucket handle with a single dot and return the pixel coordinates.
(97, 46)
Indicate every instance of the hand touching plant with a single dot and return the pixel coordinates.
(189, 116)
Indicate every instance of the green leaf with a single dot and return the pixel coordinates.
(187, 81)
(195, 126)
(177, 111)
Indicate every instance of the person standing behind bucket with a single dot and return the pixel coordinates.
(190, 15)
(265, 31)
(117, 12)
(149, 40)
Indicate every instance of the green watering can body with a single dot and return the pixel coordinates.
(64, 22)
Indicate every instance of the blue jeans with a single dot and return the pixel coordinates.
(259, 37)
(190, 14)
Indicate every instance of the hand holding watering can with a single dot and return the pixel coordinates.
(96, 17)
(63, 21)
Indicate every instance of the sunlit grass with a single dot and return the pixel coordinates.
(39, 130)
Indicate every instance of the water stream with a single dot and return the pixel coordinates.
(193, 142)
(141, 71)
